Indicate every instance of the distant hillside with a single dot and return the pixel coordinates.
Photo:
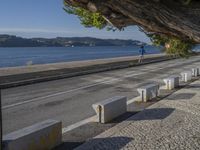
(14, 41)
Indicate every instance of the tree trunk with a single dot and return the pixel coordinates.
(168, 17)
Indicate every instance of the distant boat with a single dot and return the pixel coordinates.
(72, 46)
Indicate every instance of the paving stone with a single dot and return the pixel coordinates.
(173, 123)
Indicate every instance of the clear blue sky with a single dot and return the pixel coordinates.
(46, 18)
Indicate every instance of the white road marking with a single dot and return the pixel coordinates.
(78, 124)
(60, 93)
(55, 94)
(102, 79)
(73, 90)
(83, 87)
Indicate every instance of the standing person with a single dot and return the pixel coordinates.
(141, 51)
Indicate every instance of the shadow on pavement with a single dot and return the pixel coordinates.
(68, 145)
(78, 136)
(99, 143)
(181, 96)
(193, 86)
(152, 114)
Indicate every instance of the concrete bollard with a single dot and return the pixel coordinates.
(111, 108)
(186, 76)
(195, 72)
(43, 135)
(171, 82)
(148, 92)
(198, 71)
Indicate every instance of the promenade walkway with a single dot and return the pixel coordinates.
(172, 123)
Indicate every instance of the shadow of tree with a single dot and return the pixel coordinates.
(148, 114)
(68, 145)
(181, 96)
(78, 136)
(193, 86)
(152, 114)
(123, 117)
(116, 143)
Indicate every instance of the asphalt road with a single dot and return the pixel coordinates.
(70, 99)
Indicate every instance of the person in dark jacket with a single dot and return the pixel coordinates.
(142, 52)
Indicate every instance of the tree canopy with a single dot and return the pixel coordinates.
(175, 22)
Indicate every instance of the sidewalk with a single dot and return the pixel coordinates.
(172, 123)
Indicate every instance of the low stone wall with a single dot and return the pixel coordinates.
(186, 76)
(171, 82)
(111, 108)
(41, 136)
(148, 92)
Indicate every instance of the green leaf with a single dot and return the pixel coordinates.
(87, 18)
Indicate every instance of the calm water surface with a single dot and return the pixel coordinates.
(10, 57)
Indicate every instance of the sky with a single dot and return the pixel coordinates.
(46, 18)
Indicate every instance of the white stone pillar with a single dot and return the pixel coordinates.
(186, 76)
(171, 82)
(111, 108)
(148, 92)
(195, 72)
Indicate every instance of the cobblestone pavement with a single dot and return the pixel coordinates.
(173, 123)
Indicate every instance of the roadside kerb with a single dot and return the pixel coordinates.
(43, 135)
(148, 92)
(186, 76)
(171, 82)
(194, 72)
(111, 108)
